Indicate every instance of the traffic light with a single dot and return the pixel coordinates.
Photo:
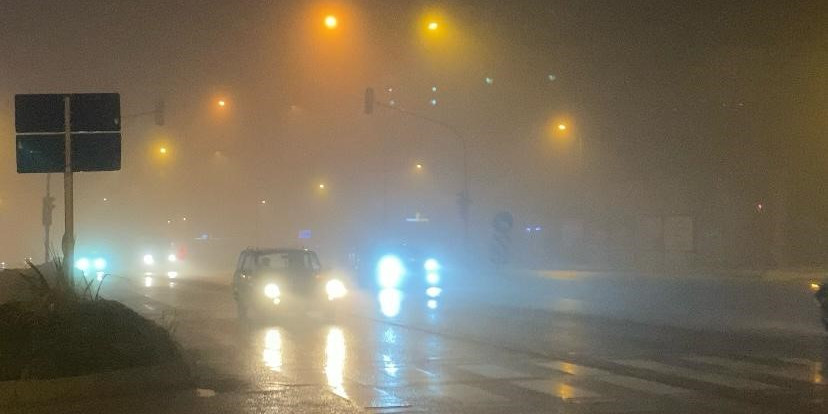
(159, 112)
(369, 101)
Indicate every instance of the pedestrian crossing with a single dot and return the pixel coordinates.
(673, 378)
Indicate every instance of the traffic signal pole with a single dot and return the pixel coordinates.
(68, 198)
(464, 199)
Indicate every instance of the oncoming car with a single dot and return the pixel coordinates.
(278, 281)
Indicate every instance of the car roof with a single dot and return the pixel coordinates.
(277, 250)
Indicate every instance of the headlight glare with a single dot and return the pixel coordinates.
(272, 291)
(149, 260)
(431, 265)
(335, 289)
(390, 271)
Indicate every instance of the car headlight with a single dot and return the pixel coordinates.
(149, 260)
(431, 265)
(272, 291)
(390, 271)
(82, 264)
(99, 263)
(335, 289)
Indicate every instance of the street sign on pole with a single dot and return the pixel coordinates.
(88, 125)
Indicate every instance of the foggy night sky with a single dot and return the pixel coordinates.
(690, 98)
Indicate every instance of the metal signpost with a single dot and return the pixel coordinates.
(67, 133)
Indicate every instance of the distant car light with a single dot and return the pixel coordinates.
(390, 271)
(335, 289)
(82, 264)
(149, 260)
(432, 278)
(433, 292)
(431, 265)
(172, 274)
(99, 263)
(172, 258)
(272, 291)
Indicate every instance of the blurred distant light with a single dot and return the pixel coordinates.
(538, 228)
(263, 202)
(222, 103)
(149, 260)
(172, 258)
(433, 102)
(433, 26)
(528, 229)
(561, 127)
(552, 77)
(105, 199)
(434, 89)
(172, 274)
(419, 166)
(389, 90)
(392, 102)
(148, 281)
(162, 150)
(432, 304)
(321, 186)
(331, 22)
(82, 264)
(99, 263)
(433, 292)
(431, 265)
(489, 81)
(183, 218)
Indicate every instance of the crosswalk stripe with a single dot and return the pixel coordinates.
(718, 379)
(556, 388)
(623, 381)
(493, 371)
(794, 374)
(467, 394)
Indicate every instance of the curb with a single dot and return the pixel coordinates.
(129, 381)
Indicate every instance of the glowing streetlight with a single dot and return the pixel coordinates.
(432, 25)
(321, 186)
(331, 22)
(162, 150)
(263, 202)
(419, 166)
(222, 103)
(561, 127)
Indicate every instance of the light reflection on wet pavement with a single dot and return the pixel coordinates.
(436, 351)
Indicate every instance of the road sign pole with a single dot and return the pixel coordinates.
(68, 199)
(47, 219)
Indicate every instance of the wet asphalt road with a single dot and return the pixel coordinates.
(532, 343)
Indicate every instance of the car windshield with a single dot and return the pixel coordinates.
(281, 261)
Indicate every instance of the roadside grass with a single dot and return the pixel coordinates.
(60, 329)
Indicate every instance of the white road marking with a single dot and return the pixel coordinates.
(736, 365)
(623, 381)
(467, 394)
(718, 379)
(556, 388)
(493, 371)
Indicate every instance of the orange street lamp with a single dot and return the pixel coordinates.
(561, 127)
(331, 21)
(222, 103)
(433, 26)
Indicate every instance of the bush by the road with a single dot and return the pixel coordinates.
(60, 330)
